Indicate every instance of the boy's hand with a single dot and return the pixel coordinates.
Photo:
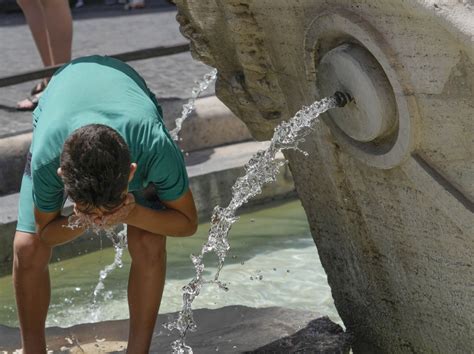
(119, 215)
(106, 219)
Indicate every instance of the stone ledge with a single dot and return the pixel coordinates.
(211, 124)
(212, 174)
(231, 329)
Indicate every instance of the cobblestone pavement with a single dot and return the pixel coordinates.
(100, 29)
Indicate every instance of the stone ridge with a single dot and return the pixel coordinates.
(246, 74)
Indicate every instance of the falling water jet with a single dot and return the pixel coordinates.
(119, 242)
(201, 85)
(262, 168)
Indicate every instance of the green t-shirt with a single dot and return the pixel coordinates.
(105, 91)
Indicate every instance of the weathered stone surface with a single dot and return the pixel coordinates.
(232, 329)
(13, 152)
(392, 217)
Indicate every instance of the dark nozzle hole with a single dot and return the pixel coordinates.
(342, 98)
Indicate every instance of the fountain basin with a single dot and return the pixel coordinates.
(271, 253)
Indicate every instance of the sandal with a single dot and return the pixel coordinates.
(29, 103)
(135, 4)
(39, 87)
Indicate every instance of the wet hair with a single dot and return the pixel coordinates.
(95, 165)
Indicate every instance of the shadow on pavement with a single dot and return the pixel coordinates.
(6, 108)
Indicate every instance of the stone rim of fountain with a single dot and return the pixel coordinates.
(393, 138)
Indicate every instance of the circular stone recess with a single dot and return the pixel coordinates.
(380, 126)
(351, 68)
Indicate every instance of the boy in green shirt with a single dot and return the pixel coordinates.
(99, 139)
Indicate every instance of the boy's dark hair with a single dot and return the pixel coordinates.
(95, 165)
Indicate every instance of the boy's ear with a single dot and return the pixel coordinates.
(133, 168)
(59, 172)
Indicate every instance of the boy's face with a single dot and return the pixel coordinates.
(104, 217)
(99, 213)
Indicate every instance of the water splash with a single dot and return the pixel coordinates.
(261, 169)
(119, 241)
(201, 85)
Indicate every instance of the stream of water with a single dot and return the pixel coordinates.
(261, 169)
(188, 108)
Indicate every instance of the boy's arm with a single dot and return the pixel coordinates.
(179, 219)
(52, 230)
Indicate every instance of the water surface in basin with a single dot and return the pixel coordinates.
(273, 262)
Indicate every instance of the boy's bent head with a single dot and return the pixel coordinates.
(95, 167)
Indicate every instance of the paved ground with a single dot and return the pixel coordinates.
(100, 29)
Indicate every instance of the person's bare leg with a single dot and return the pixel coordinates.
(32, 289)
(35, 17)
(145, 286)
(59, 26)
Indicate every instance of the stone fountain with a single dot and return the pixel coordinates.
(388, 185)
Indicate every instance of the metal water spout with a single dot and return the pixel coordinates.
(342, 98)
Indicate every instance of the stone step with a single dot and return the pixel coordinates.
(230, 329)
(212, 174)
(211, 124)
